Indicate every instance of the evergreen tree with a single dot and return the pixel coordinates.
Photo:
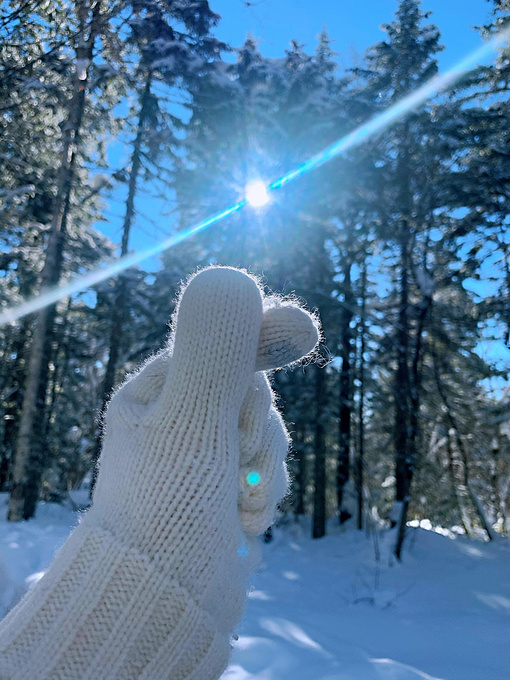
(480, 184)
(170, 46)
(394, 69)
(85, 23)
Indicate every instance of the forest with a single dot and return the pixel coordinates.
(400, 245)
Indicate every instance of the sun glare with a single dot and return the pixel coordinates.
(256, 194)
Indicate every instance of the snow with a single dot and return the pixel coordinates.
(327, 610)
(81, 68)
(27, 548)
(425, 282)
(98, 181)
(431, 34)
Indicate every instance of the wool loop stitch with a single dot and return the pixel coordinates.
(153, 580)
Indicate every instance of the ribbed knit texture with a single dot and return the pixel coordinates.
(152, 582)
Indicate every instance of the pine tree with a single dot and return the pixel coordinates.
(171, 46)
(28, 150)
(480, 184)
(83, 26)
(394, 69)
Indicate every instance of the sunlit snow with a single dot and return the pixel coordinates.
(328, 610)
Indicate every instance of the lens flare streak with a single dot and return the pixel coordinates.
(52, 296)
(362, 133)
(399, 110)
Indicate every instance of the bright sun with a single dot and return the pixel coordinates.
(256, 193)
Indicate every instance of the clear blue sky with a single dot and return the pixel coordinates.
(354, 25)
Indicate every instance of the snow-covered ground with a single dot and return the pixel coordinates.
(328, 610)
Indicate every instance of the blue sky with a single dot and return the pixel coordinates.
(354, 25)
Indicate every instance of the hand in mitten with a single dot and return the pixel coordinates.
(153, 580)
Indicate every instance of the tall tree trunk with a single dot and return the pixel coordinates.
(299, 447)
(15, 388)
(42, 453)
(402, 383)
(361, 401)
(344, 439)
(319, 507)
(37, 459)
(37, 367)
(459, 500)
(466, 488)
(414, 410)
(121, 293)
(404, 463)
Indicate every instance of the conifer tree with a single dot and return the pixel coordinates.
(414, 155)
(170, 45)
(480, 184)
(86, 22)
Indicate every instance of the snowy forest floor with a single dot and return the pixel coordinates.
(328, 610)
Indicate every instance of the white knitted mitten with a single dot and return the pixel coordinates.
(152, 581)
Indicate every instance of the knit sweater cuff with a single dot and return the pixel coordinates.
(102, 612)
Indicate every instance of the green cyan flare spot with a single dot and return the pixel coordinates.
(243, 550)
(253, 478)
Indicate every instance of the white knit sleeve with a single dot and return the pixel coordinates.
(104, 612)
